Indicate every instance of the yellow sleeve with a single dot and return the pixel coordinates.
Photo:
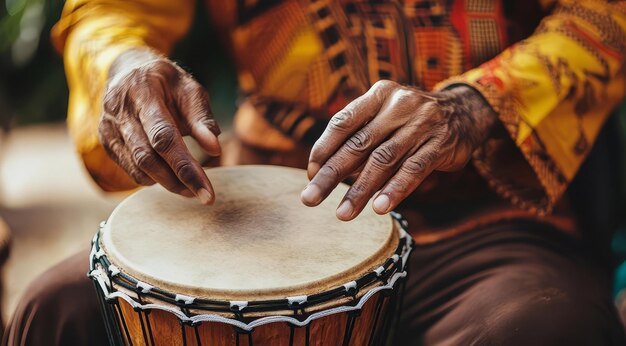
(91, 34)
(552, 92)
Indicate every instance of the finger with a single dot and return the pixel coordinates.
(348, 158)
(409, 176)
(381, 165)
(166, 140)
(114, 145)
(147, 160)
(195, 109)
(346, 122)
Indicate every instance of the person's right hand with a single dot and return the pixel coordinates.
(148, 106)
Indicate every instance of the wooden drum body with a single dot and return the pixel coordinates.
(256, 268)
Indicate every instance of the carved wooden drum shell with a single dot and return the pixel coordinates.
(255, 268)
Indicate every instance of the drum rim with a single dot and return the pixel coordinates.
(383, 250)
(104, 274)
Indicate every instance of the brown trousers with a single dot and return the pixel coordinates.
(517, 283)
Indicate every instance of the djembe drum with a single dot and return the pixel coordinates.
(255, 268)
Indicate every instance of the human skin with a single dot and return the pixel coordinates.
(148, 106)
(391, 138)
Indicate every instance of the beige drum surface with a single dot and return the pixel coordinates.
(258, 241)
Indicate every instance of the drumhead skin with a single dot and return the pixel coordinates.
(257, 242)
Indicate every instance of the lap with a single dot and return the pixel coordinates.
(494, 286)
(507, 285)
(59, 308)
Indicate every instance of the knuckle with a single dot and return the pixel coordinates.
(415, 166)
(114, 145)
(111, 102)
(162, 137)
(384, 84)
(401, 185)
(357, 190)
(359, 142)
(185, 171)
(405, 99)
(144, 158)
(194, 90)
(138, 78)
(383, 88)
(406, 96)
(164, 71)
(138, 176)
(330, 170)
(383, 156)
(342, 121)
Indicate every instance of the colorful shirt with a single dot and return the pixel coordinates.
(553, 71)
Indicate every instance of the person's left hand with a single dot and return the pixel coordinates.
(395, 136)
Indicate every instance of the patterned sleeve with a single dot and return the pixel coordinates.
(552, 92)
(91, 34)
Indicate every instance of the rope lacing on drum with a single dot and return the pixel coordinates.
(388, 274)
(238, 305)
(144, 287)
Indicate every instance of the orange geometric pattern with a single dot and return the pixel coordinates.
(299, 62)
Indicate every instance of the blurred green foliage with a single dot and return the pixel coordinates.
(32, 81)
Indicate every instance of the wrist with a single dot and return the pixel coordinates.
(475, 103)
(471, 105)
(130, 60)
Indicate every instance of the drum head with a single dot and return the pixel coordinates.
(257, 242)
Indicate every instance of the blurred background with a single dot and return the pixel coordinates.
(48, 204)
(49, 208)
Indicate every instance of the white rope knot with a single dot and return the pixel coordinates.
(100, 276)
(350, 286)
(184, 299)
(297, 300)
(99, 253)
(404, 234)
(144, 287)
(113, 269)
(238, 305)
(395, 258)
(94, 273)
(379, 271)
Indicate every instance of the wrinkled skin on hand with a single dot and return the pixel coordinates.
(149, 105)
(393, 137)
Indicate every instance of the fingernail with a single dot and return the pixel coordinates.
(204, 196)
(381, 204)
(344, 212)
(311, 194)
(312, 169)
